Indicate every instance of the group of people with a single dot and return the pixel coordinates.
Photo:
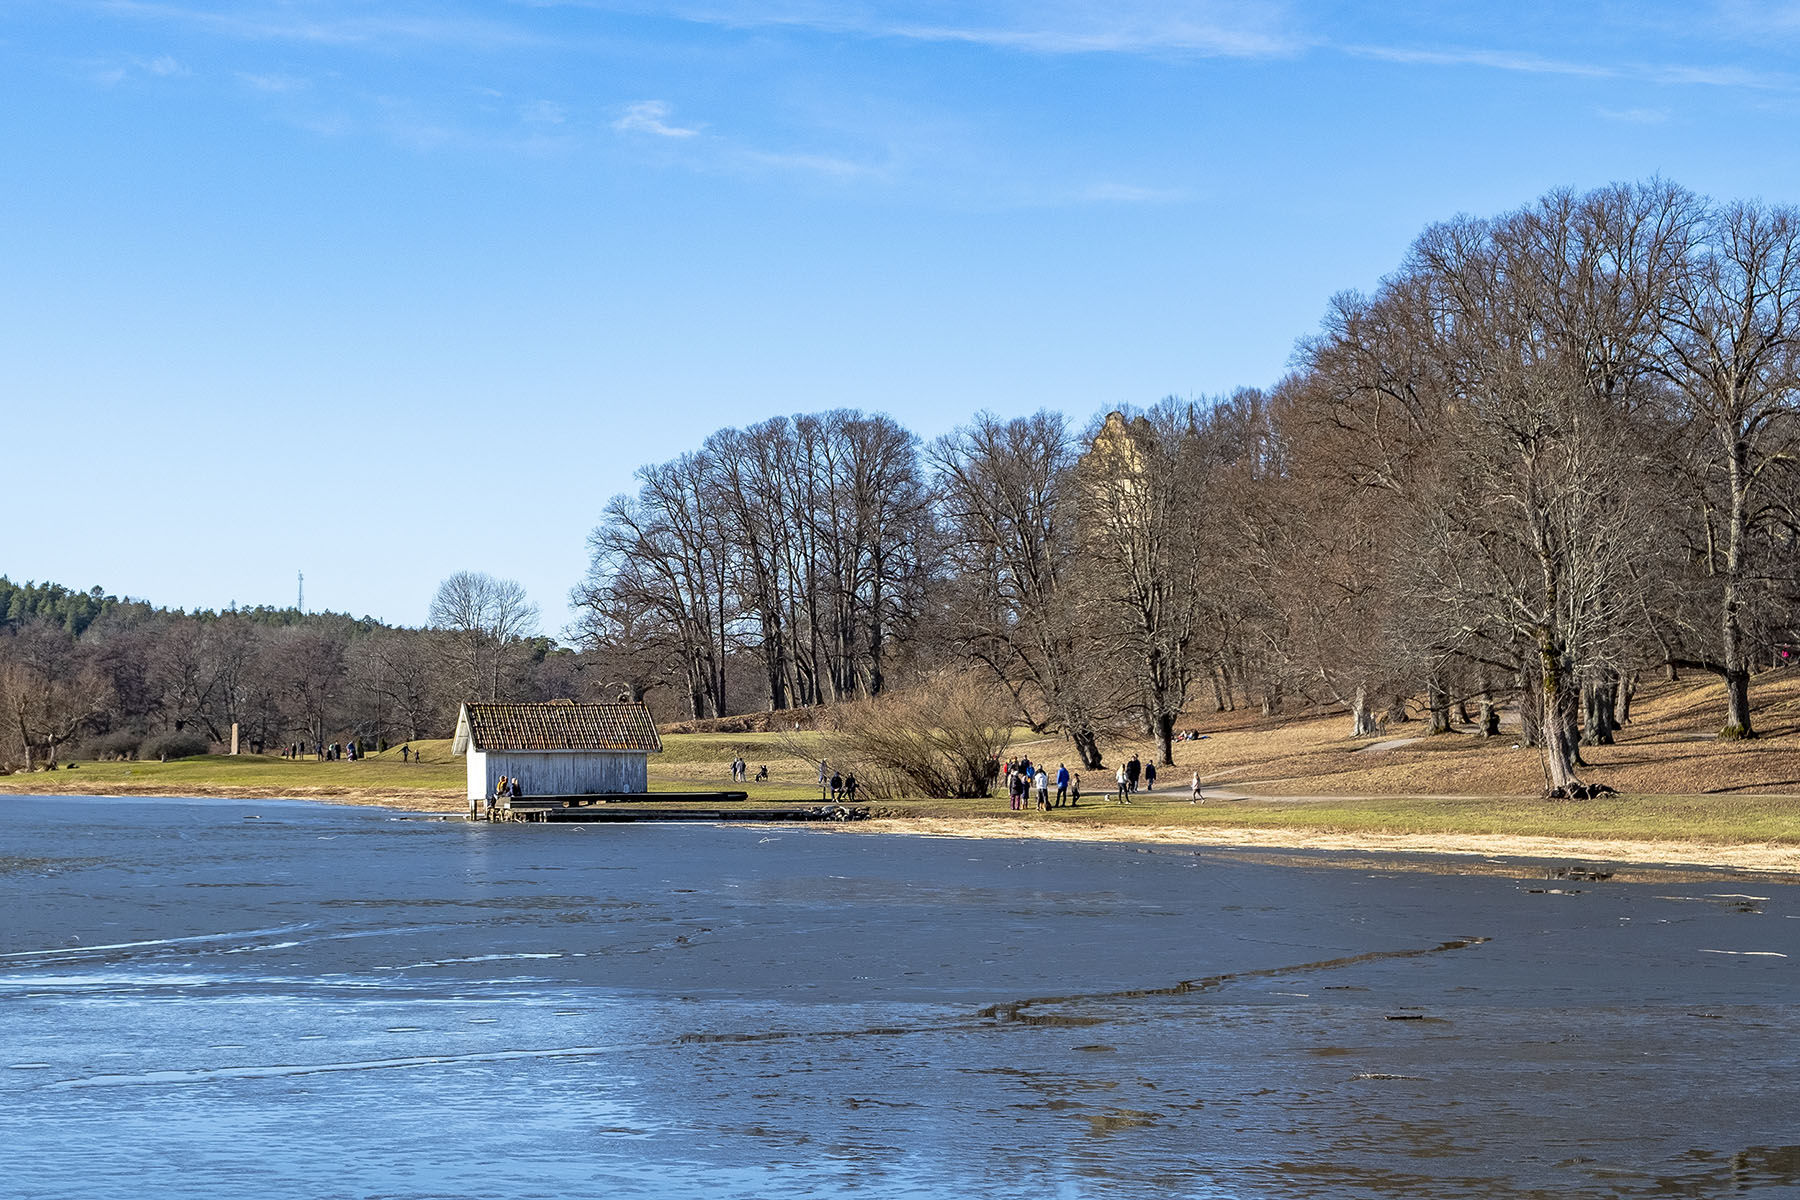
(843, 787)
(346, 751)
(740, 771)
(1024, 780)
(504, 789)
(1128, 775)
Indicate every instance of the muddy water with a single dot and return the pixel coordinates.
(223, 998)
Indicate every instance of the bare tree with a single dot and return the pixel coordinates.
(1005, 491)
(49, 692)
(1732, 349)
(1545, 319)
(487, 620)
(308, 665)
(663, 552)
(1148, 487)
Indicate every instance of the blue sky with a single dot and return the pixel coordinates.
(381, 290)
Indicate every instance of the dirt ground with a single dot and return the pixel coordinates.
(1669, 747)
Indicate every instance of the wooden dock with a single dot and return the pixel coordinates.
(616, 813)
(661, 806)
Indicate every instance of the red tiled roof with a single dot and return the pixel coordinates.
(559, 725)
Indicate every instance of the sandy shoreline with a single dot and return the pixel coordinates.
(1761, 857)
(1770, 858)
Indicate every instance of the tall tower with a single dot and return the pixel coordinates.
(300, 601)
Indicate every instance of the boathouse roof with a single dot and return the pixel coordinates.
(556, 725)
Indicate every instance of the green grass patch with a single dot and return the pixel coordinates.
(437, 771)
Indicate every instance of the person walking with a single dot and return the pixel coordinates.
(1194, 797)
(1124, 786)
(1133, 769)
(1062, 784)
(1043, 790)
(1150, 776)
(1075, 791)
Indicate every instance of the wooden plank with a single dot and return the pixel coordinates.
(609, 814)
(534, 803)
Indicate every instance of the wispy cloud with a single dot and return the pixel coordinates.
(830, 165)
(543, 112)
(272, 83)
(1129, 193)
(269, 20)
(1759, 18)
(1213, 28)
(652, 117)
(110, 72)
(1534, 64)
(1635, 116)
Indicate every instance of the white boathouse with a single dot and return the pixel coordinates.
(558, 748)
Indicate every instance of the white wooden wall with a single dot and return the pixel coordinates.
(477, 773)
(558, 772)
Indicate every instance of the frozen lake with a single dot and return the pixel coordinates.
(229, 998)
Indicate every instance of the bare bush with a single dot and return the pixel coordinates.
(942, 738)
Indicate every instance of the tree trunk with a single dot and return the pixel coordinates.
(1627, 689)
(1737, 666)
(1218, 692)
(1737, 705)
(1531, 702)
(1599, 701)
(1437, 698)
(1087, 749)
(1489, 724)
(1165, 739)
(1559, 702)
(1362, 718)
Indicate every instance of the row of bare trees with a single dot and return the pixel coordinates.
(803, 541)
(1564, 440)
(1552, 451)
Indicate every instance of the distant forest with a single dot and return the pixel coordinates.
(88, 673)
(1554, 450)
